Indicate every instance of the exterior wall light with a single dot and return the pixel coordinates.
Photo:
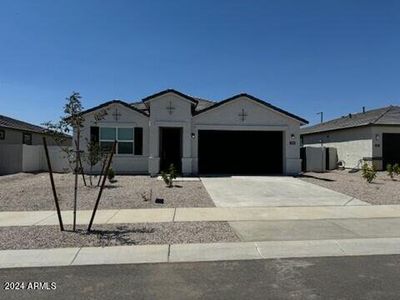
(193, 135)
(377, 136)
(292, 136)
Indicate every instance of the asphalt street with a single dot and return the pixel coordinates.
(361, 277)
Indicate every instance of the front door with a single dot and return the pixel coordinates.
(170, 148)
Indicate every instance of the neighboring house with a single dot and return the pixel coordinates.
(21, 146)
(239, 135)
(368, 136)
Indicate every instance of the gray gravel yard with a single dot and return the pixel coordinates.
(25, 191)
(35, 237)
(382, 190)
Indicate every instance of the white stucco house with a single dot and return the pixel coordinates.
(368, 136)
(239, 135)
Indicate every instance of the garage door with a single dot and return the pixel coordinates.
(240, 152)
(391, 148)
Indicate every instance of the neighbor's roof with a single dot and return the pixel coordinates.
(389, 115)
(7, 122)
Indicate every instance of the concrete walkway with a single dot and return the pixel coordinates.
(241, 191)
(196, 252)
(30, 218)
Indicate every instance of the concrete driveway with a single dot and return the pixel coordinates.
(240, 191)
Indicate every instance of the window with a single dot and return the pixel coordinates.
(2, 134)
(27, 138)
(123, 136)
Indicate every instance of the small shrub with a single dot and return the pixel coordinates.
(368, 173)
(169, 175)
(389, 169)
(111, 175)
(396, 169)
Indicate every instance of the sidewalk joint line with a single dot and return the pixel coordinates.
(118, 210)
(44, 219)
(258, 250)
(173, 218)
(76, 254)
(169, 252)
(349, 201)
(340, 247)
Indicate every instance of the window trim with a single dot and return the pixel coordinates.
(116, 138)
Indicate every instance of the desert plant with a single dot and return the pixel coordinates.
(92, 157)
(396, 169)
(169, 175)
(368, 172)
(390, 171)
(111, 175)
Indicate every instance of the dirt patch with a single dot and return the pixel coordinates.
(33, 192)
(35, 237)
(382, 190)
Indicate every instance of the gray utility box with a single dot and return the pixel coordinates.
(318, 159)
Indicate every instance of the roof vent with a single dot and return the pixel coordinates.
(350, 115)
(363, 109)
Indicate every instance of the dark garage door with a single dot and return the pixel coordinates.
(240, 152)
(391, 148)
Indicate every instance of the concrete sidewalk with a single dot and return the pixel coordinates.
(196, 252)
(31, 218)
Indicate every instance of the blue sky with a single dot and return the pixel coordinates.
(303, 56)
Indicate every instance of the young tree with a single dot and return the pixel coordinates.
(72, 120)
(93, 156)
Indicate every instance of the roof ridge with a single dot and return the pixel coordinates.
(381, 116)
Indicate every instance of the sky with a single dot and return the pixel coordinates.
(303, 56)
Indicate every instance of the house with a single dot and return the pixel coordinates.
(368, 136)
(239, 135)
(21, 146)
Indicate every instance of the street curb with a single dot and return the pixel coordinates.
(196, 252)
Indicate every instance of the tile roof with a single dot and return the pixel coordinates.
(389, 115)
(7, 122)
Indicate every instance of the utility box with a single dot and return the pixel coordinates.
(318, 159)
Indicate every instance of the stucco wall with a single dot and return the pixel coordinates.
(180, 116)
(10, 158)
(122, 163)
(352, 144)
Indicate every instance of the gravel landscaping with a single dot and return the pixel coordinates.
(382, 190)
(35, 237)
(25, 191)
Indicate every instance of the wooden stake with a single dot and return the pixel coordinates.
(102, 170)
(53, 187)
(102, 186)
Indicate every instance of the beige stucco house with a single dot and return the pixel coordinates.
(239, 135)
(368, 136)
(21, 147)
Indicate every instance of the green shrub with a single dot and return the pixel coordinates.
(368, 173)
(396, 169)
(110, 175)
(169, 175)
(390, 170)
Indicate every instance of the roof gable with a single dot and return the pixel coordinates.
(257, 100)
(191, 99)
(104, 105)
